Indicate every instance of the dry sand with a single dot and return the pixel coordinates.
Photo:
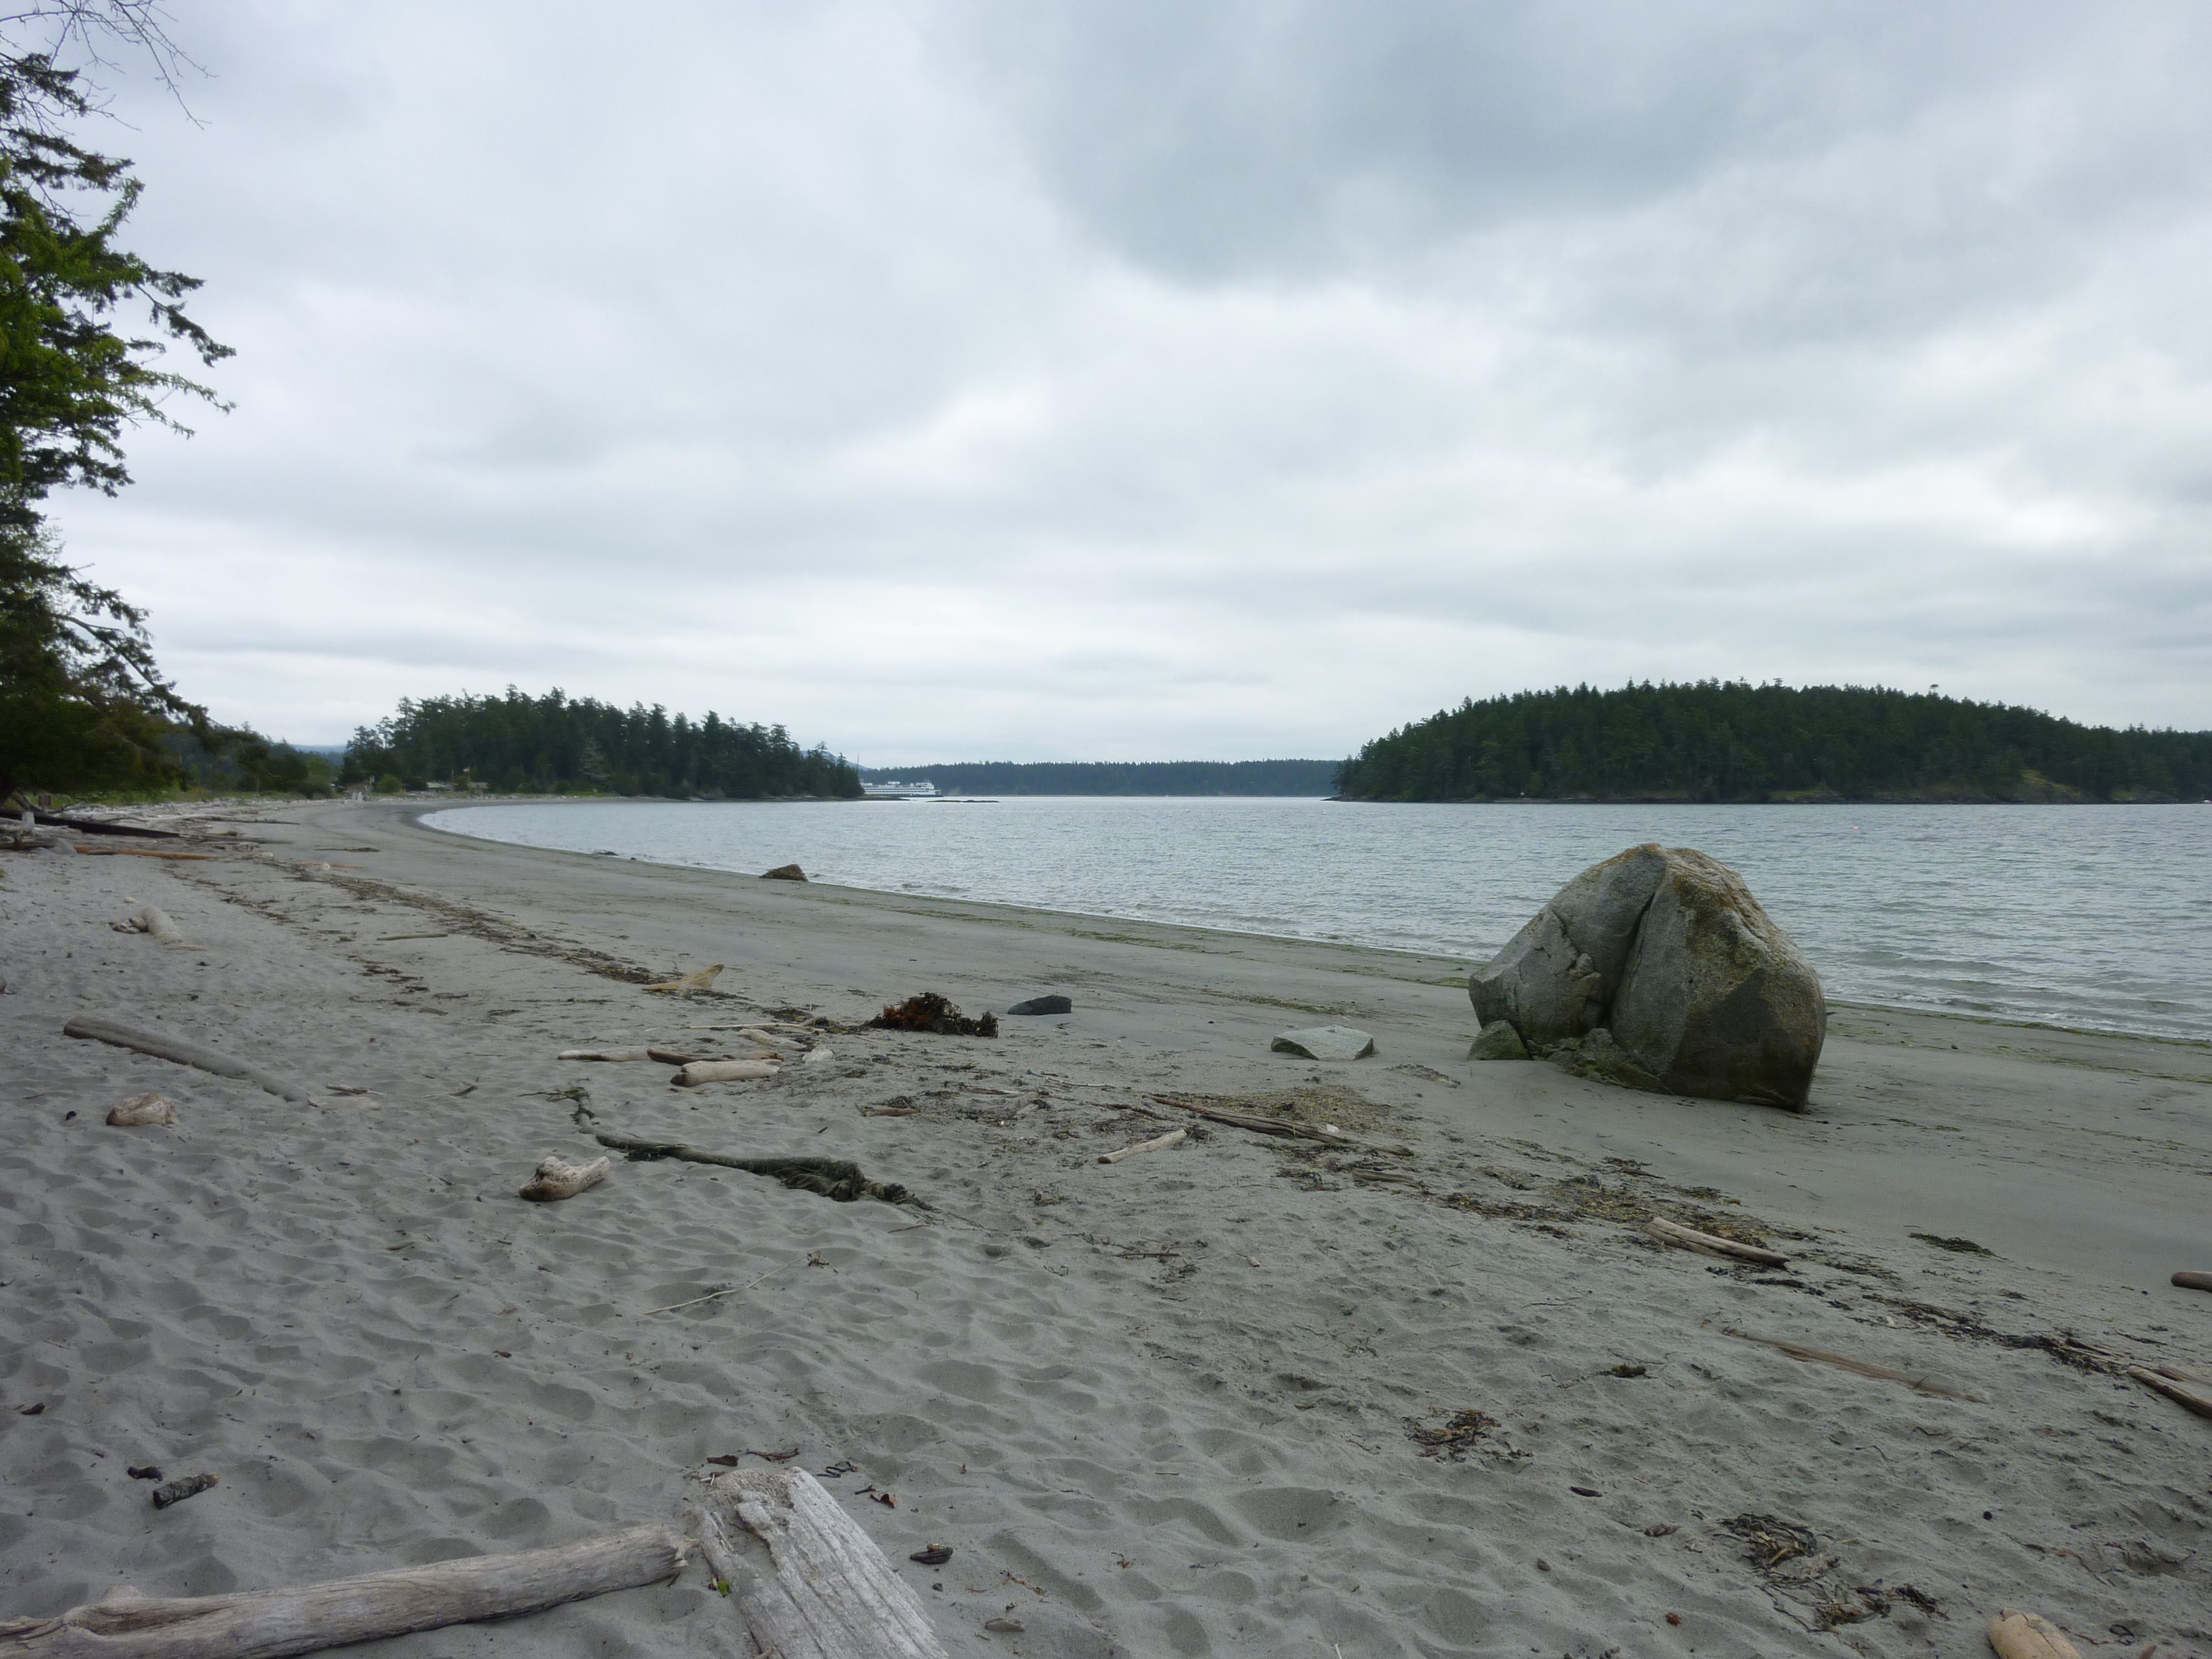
(1169, 1405)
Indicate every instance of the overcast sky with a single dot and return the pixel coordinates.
(1147, 378)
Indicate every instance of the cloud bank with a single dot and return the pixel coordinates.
(1142, 381)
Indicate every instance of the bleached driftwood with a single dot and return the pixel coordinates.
(2193, 1281)
(157, 922)
(557, 1178)
(1157, 1143)
(141, 1110)
(134, 852)
(818, 1056)
(1329, 1134)
(1863, 1367)
(1675, 1233)
(2016, 1635)
(722, 1071)
(2187, 1398)
(810, 1584)
(670, 1056)
(162, 1045)
(271, 1624)
(754, 1034)
(684, 984)
(605, 1053)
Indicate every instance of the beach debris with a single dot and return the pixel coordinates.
(1325, 1042)
(1665, 952)
(183, 1052)
(815, 1585)
(1157, 1143)
(175, 1491)
(143, 1471)
(140, 1111)
(896, 1106)
(819, 1056)
(1769, 1541)
(2017, 1635)
(926, 1010)
(1452, 1439)
(151, 919)
(784, 872)
(1586, 1491)
(1956, 1246)
(1003, 1627)
(685, 984)
(558, 1178)
(2193, 1281)
(1862, 1367)
(1045, 1004)
(830, 1177)
(36, 1408)
(731, 1460)
(1497, 1040)
(608, 1055)
(723, 1070)
(133, 851)
(935, 1556)
(271, 1624)
(1428, 1074)
(1675, 1233)
(1283, 1128)
(2188, 1400)
(1661, 1529)
(1626, 1368)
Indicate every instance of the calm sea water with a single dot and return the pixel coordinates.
(2079, 915)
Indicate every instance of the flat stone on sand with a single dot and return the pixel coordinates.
(1325, 1043)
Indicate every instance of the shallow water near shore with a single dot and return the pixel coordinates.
(2090, 916)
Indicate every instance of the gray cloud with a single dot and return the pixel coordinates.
(1126, 380)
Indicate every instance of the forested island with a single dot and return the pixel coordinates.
(558, 744)
(1261, 777)
(1730, 741)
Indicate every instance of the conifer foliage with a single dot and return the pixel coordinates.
(1717, 740)
(559, 745)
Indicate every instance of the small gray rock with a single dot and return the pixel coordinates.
(1325, 1043)
(1499, 1041)
(1051, 1005)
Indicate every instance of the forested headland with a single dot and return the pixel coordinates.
(1730, 741)
(1261, 777)
(558, 744)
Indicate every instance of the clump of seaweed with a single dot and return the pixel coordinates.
(1769, 1541)
(928, 1012)
(1453, 1438)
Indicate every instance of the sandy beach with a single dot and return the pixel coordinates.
(1433, 1391)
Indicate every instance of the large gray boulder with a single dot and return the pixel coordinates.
(1657, 968)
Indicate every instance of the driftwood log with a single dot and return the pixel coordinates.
(1157, 1143)
(140, 1111)
(94, 827)
(2193, 1281)
(605, 1053)
(1862, 1367)
(1675, 1233)
(685, 984)
(271, 1624)
(2187, 1398)
(557, 1178)
(723, 1070)
(137, 851)
(183, 1052)
(2016, 1635)
(810, 1584)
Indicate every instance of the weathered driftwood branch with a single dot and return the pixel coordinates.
(94, 827)
(1862, 1367)
(183, 1052)
(2193, 1281)
(139, 1111)
(2017, 1635)
(810, 1584)
(1675, 1233)
(685, 984)
(605, 1053)
(1157, 1143)
(271, 1624)
(831, 1177)
(557, 1178)
(723, 1070)
(1329, 1134)
(2188, 1399)
(139, 853)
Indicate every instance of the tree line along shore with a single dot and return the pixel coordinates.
(1720, 741)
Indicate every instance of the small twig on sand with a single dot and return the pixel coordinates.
(1157, 1143)
(731, 1290)
(1675, 1233)
(1863, 1367)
